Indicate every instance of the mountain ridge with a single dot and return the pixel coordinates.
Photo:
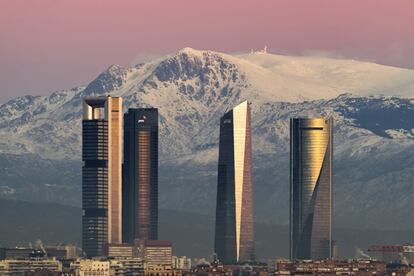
(373, 134)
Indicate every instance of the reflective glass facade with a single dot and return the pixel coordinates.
(101, 174)
(311, 188)
(140, 188)
(234, 234)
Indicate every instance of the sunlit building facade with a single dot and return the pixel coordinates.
(311, 188)
(234, 233)
(101, 174)
(140, 179)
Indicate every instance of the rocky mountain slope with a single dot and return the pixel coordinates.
(40, 136)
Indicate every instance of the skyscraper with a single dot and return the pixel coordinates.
(101, 174)
(310, 188)
(140, 187)
(234, 237)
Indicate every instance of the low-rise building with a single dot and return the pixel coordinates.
(158, 253)
(128, 266)
(209, 270)
(108, 267)
(331, 267)
(181, 262)
(122, 250)
(92, 268)
(20, 267)
(53, 251)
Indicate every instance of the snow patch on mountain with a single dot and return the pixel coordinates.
(373, 134)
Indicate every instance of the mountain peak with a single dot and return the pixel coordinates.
(190, 51)
(110, 79)
(114, 68)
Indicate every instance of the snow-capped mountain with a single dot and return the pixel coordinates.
(40, 136)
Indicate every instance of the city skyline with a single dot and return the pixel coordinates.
(133, 215)
(306, 133)
(155, 137)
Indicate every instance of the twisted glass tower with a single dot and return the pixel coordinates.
(101, 174)
(234, 236)
(140, 186)
(311, 188)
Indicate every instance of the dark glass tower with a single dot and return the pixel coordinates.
(140, 186)
(101, 174)
(234, 237)
(311, 188)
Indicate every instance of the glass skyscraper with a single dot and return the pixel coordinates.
(101, 174)
(311, 188)
(234, 234)
(140, 175)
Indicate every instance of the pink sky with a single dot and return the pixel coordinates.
(46, 45)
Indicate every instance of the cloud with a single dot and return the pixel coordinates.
(146, 56)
